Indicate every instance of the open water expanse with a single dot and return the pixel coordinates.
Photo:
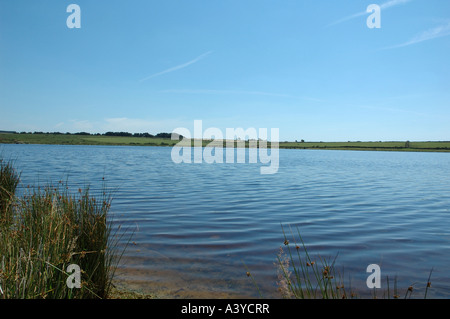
(198, 226)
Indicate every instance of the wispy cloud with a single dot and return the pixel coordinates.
(385, 5)
(80, 125)
(140, 125)
(392, 110)
(121, 124)
(178, 67)
(433, 33)
(238, 92)
(393, 3)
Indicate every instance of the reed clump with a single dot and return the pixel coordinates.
(9, 180)
(46, 230)
(302, 276)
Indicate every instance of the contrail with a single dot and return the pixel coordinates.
(178, 67)
(238, 92)
(385, 5)
(437, 32)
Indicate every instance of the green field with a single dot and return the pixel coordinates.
(65, 139)
(375, 146)
(71, 139)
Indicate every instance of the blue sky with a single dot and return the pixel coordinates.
(313, 69)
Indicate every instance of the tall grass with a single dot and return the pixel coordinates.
(9, 180)
(303, 276)
(46, 230)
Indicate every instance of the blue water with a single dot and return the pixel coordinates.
(198, 226)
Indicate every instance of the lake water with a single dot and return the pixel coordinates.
(198, 226)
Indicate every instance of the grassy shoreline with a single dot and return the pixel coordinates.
(72, 139)
(49, 233)
(47, 230)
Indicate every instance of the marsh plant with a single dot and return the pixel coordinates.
(46, 230)
(302, 276)
(9, 180)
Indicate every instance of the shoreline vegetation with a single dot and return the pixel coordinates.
(164, 139)
(54, 244)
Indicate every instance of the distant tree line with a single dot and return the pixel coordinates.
(159, 135)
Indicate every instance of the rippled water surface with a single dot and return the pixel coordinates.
(198, 226)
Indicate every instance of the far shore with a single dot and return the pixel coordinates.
(136, 140)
